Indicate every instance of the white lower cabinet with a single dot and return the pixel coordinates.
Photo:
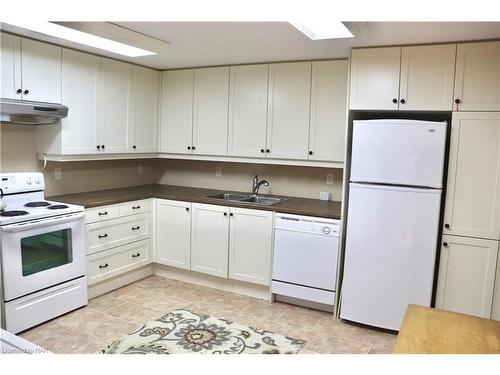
(173, 233)
(495, 310)
(106, 264)
(209, 239)
(250, 245)
(467, 275)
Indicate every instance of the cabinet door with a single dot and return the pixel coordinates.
(248, 110)
(115, 105)
(375, 78)
(145, 99)
(289, 107)
(10, 62)
(427, 78)
(473, 192)
(328, 110)
(80, 89)
(211, 95)
(466, 275)
(176, 126)
(477, 85)
(209, 239)
(250, 245)
(41, 71)
(173, 233)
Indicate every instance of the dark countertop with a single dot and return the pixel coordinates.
(292, 205)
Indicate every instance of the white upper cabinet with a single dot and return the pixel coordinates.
(248, 110)
(427, 77)
(328, 110)
(477, 85)
(210, 111)
(80, 88)
(173, 233)
(210, 239)
(176, 127)
(467, 275)
(473, 193)
(11, 66)
(145, 99)
(289, 108)
(375, 78)
(115, 105)
(41, 71)
(250, 245)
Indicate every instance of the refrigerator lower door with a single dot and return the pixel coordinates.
(390, 252)
(398, 152)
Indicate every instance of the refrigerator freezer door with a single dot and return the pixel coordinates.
(390, 252)
(398, 152)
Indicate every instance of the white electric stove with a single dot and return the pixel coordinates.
(42, 247)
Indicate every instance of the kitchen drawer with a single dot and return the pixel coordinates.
(135, 207)
(111, 233)
(102, 213)
(109, 263)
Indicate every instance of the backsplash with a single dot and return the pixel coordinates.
(18, 154)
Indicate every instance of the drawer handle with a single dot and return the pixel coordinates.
(135, 228)
(136, 255)
(136, 207)
(103, 213)
(103, 235)
(103, 266)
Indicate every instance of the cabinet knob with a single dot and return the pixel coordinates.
(26, 92)
(187, 208)
(136, 228)
(134, 147)
(98, 147)
(394, 100)
(310, 152)
(225, 213)
(447, 226)
(136, 207)
(103, 235)
(262, 150)
(457, 101)
(268, 151)
(103, 213)
(102, 146)
(403, 101)
(445, 244)
(19, 91)
(136, 255)
(193, 148)
(231, 214)
(103, 266)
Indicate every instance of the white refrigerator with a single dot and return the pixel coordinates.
(393, 219)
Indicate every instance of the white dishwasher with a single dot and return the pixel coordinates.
(305, 257)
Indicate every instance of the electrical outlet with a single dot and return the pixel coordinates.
(324, 195)
(218, 171)
(139, 169)
(57, 173)
(329, 178)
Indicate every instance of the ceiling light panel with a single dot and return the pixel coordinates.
(323, 29)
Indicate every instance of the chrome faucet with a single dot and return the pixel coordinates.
(256, 184)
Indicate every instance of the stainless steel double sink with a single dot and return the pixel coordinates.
(247, 198)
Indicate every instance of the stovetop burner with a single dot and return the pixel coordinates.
(57, 207)
(13, 213)
(37, 204)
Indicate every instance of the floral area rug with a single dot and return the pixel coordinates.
(183, 331)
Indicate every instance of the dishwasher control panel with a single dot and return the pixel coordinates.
(308, 224)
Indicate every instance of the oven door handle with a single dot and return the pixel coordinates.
(43, 222)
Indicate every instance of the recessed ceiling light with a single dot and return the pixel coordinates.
(323, 29)
(58, 31)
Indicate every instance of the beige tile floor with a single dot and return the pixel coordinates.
(109, 317)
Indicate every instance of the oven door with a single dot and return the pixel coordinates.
(42, 253)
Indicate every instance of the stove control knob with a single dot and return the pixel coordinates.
(29, 181)
(326, 230)
(37, 180)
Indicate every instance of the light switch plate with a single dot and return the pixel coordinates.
(329, 178)
(218, 171)
(139, 169)
(57, 173)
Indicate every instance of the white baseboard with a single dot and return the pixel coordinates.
(228, 285)
(116, 282)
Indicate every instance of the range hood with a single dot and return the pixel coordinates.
(24, 112)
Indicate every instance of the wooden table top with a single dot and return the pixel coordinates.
(432, 331)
